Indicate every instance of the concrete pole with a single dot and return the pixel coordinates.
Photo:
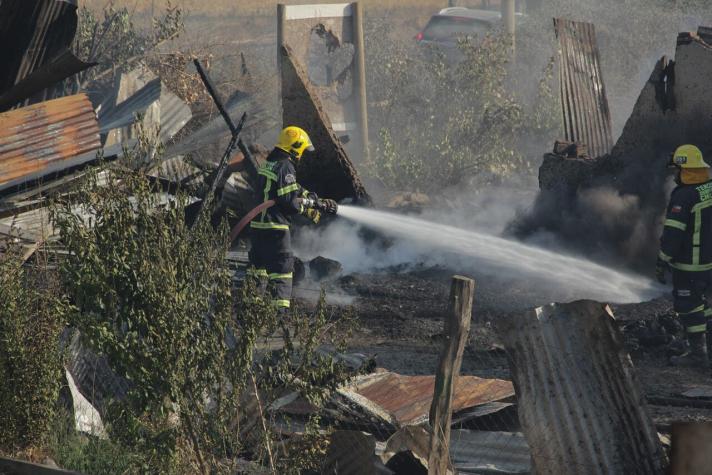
(508, 8)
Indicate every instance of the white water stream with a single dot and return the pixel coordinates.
(585, 279)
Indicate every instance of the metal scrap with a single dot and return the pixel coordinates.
(114, 116)
(587, 116)
(396, 401)
(40, 32)
(580, 405)
(352, 453)
(60, 68)
(475, 452)
(36, 140)
(140, 91)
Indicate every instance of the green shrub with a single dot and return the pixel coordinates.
(116, 43)
(443, 117)
(31, 320)
(90, 455)
(154, 296)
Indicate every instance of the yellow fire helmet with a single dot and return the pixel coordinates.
(294, 141)
(689, 156)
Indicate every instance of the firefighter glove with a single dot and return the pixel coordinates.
(309, 203)
(327, 206)
(661, 267)
(313, 214)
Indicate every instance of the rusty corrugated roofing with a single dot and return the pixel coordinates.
(580, 406)
(587, 116)
(406, 400)
(40, 137)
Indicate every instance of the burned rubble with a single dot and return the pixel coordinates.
(461, 385)
(611, 202)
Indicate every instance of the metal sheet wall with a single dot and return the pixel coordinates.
(586, 114)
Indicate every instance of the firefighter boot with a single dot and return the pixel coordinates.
(696, 356)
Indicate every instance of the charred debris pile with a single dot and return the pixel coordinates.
(573, 403)
(603, 197)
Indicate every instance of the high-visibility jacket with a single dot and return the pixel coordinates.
(278, 182)
(686, 242)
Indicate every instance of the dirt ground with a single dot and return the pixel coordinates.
(401, 316)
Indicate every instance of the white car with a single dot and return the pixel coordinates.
(451, 24)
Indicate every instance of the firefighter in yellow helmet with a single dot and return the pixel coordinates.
(271, 253)
(686, 250)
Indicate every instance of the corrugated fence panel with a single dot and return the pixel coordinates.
(42, 135)
(580, 405)
(586, 114)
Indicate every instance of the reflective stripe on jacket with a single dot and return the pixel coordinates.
(686, 242)
(278, 182)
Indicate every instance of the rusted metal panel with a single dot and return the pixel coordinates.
(579, 402)
(405, 400)
(586, 114)
(36, 138)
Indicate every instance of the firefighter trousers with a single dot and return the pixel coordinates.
(690, 299)
(273, 261)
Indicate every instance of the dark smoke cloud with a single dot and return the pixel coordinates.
(614, 217)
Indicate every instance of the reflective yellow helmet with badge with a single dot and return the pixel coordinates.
(688, 156)
(294, 141)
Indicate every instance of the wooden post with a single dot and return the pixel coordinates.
(690, 448)
(280, 38)
(508, 8)
(360, 77)
(457, 327)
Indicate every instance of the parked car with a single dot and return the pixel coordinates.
(450, 24)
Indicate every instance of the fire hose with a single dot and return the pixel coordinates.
(249, 217)
(257, 210)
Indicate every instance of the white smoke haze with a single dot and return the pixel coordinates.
(482, 254)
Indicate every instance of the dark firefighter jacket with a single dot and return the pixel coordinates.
(686, 242)
(278, 182)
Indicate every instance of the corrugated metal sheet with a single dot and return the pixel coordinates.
(18, 186)
(123, 114)
(483, 452)
(60, 68)
(180, 171)
(141, 91)
(580, 405)
(587, 116)
(174, 114)
(36, 137)
(93, 376)
(405, 400)
(39, 31)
